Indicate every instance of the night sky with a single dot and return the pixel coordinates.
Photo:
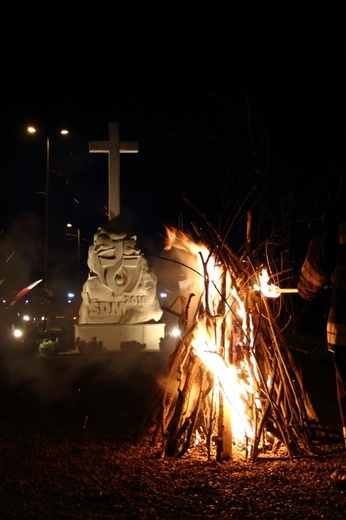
(231, 106)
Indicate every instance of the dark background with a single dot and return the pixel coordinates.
(234, 107)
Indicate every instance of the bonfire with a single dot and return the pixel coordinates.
(231, 386)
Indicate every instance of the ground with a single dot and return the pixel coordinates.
(69, 450)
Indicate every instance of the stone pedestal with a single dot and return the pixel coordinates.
(113, 335)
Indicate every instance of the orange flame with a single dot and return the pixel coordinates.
(234, 371)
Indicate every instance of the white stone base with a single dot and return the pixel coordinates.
(113, 334)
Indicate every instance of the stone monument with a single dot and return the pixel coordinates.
(119, 300)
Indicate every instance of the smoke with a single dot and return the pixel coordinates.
(72, 378)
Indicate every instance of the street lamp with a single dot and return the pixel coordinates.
(32, 130)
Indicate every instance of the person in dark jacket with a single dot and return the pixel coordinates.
(325, 263)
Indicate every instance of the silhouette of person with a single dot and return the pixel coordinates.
(325, 263)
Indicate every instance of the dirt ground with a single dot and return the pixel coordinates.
(69, 450)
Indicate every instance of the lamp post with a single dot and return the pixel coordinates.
(69, 225)
(32, 130)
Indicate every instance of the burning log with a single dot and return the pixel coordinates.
(231, 382)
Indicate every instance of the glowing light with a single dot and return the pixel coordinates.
(17, 333)
(175, 332)
(233, 372)
(270, 290)
(235, 384)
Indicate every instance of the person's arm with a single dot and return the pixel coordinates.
(319, 262)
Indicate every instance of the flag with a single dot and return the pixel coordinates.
(23, 292)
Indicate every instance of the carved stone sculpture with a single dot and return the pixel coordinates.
(120, 288)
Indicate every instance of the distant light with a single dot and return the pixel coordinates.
(175, 332)
(32, 130)
(70, 295)
(17, 333)
(163, 295)
(26, 317)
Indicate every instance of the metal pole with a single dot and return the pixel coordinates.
(32, 130)
(78, 256)
(47, 218)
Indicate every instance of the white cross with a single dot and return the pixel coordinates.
(114, 148)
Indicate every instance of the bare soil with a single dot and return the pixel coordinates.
(69, 450)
